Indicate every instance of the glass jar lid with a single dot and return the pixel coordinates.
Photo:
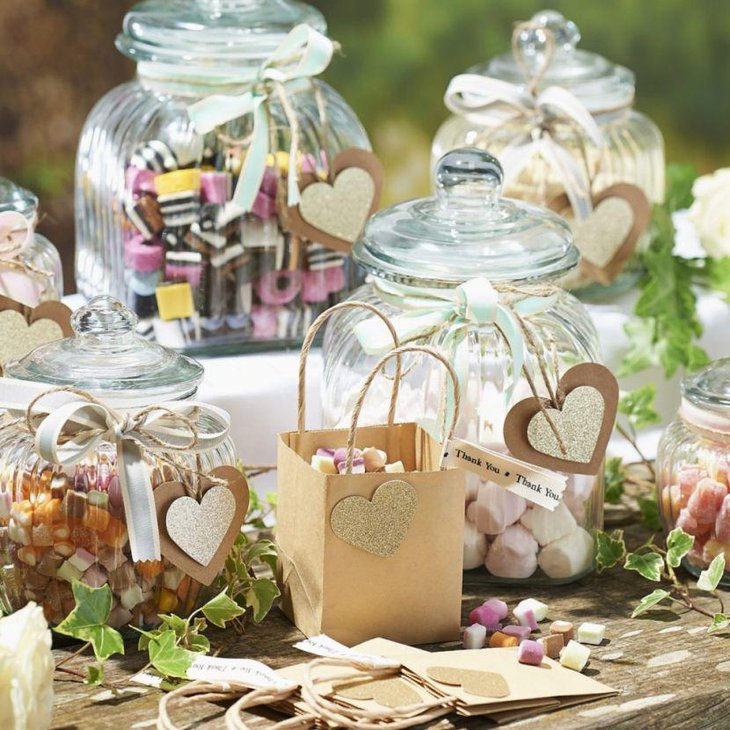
(213, 37)
(109, 359)
(601, 85)
(466, 230)
(709, 388)
(13, 197)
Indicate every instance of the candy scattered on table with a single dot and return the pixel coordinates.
(500, 640)
(526, 617)
(590, 633)
(552, 644)
(475, 636)
(521, 632)
(564, 628)
(498, 606)
(370, 459)
(531, 652)
(486, 617)
(539, 609)
(574, 656)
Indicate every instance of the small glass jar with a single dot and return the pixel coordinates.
(418, 255)
(60, 523)
(693, 467)
(156, 225)
(30, 267)
(633, 150)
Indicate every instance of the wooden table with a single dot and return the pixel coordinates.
(670, 672)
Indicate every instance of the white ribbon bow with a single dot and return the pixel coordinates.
(15, 234)
(69, 426)
(492, 102)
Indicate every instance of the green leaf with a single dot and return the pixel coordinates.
(199, 643)
(679, 543)
(87, 621)
(264, 551)
(650, 517)
(610, 549)
(179, 625)
(94, 675)
(717, 275)
(614, 478)
(650, 601)
(679, 182)
(260, 596)
(639, 356)
(720, 622)
(167, 657)
(272, 499)
(649, 565)
(638, 406)
(221, 609)
(710, 578)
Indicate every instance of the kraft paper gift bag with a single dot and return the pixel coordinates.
(376, 554)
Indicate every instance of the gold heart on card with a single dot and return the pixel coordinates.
(391, 692)
(197, 536)
(473, 681)
(608, 237)
(377, 526)
(584, 421)
(334, 214)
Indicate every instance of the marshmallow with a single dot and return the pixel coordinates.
(521, 632)
(575, 656)
(564, 628)
(498, 639)
(498, 606)
(548, 526)
(475, 636)
(526, 617)
(552, 645)
(531, 652)
(495, 509)
(475, 546)
(512, 554)
(569, 556)
(589, 633)
(539, 608)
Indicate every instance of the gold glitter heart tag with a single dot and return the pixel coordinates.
(483, 684)
(392, 692)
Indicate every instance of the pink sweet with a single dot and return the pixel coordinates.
(334, 279)
(495, 509)
(474, 636)
(278, 287)
(5, 504)
(531, 652)
(340, 455)
(486, 617)
(139, 181)
(95, 576)
(499, 607)
(521, 632)
(184, 272)
(689, 476)
(722, 522)
(314, 286)
(358, 466)
(526, 617)
(325, 452)
(689, 524)
(215, 187)
(115, 491)
(143, 257)
(705, 501)
(264, 321)
(513, 554)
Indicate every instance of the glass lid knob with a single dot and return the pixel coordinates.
(565, 32)
(468, 178)
(103, 315)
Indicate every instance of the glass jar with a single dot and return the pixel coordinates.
(545, 56)
(693, 467)
(59, 523)
(158, 223)
(422, 253)
(30, 267)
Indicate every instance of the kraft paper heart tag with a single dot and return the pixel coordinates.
(334, 215)
(377, 526)
(475, 682)
(584, 422)
(197, 536)
(24, 328)
(392, 692)
(608, 237)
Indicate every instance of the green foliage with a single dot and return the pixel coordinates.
(720, 623)
(709, 579)
(221, 609)
(614, 476)
(679, 543)
(650, 601)
(649, 565)
(638, 406)
(167, 656)
(610, 549)
(94, 674)
(649, 510)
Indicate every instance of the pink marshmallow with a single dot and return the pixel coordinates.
(495, 509)
(531, 652)
(513, 554)
(498, 606)
(526, 617)
(521, 632)
(486, 617)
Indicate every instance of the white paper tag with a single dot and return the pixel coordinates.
(243, 671)
(536, 485)
(149, 679)
(322, 645)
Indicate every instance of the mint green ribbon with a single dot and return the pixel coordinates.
(303, 53)
(474, 303)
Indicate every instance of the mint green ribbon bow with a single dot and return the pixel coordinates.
(303, 53)
(474, 303)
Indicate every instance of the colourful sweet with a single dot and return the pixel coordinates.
(500, 640)
(569, 556)
(575, 656)
(513, 554)
(95, 576)
(172, 578)
(563, 628)
(486, 617)
(314, 286)
(590, 633)
(526, 617)
(531, 652)
(548, 526)
(154, 155)
(265, 321)
(395, 468)
(42, 536)
(168, 601)
(475, 636)
(357, 467)
(334, 279)
(705, 501)
(68, 572)
(74, 504)
(521, 632)
(325, 464)
(375, 459)
(475, 547)
(498, 606)
(722, 521)
(278, 287)
(149, 568)
(495, 509)
(5, 504)
(215, 187)
(129, 597)
(712, 549)
(687, 522)
(553, 645)
(538, 608)
(96, 518)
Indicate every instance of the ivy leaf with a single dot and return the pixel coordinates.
(87, 621)
(260, 596)
(650, 601)
(610, 549)
(649, 565)
(720, 622)
(639, 356)
(167, 657)
(710, 578)
(679, 182)
(717, 275)
(263, 550)
(94, 675)
(221, 609)
(178, 625)
(638, 406)
(614, 478)
(650, 513)
(199, 643)
(679, 543)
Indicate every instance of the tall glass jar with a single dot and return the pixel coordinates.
(545, 56)
(61, 522)
(693, 467)
(424, 254)
(157, 223)
(30, 267)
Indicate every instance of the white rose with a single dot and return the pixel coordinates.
(710, 212)
(26, 670)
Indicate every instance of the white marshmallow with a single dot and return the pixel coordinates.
(548, 526)
(568, 556)
(475, 546)
(539, 608)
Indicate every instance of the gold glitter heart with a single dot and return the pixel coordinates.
(602, 234)
(483, 684)
(18, 338)
(391, 692)
(380, 525)
(342, 209)
(578, 423)
(199, 528)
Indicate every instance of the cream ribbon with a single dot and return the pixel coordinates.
(70, 424)
(16, 232)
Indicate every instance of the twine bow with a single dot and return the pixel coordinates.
(69, 424)
(492, 103)
(303, 53)
(15, 234)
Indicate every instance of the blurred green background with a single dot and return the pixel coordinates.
(57, 59)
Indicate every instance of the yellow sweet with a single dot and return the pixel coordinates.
(177, 181)
(168, 601)
(175, 301)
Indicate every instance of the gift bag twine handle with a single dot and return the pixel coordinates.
(307, 346)
(373, 374)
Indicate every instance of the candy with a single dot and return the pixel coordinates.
(589, 633)
(548, 526)
(495, 509)
(131, 596)
(5, 504)
(512, 554)
(143, 257)
(538, 608)
(712, 549)
(314, 287)
(22, 513)
(122, 577)
(325, 464)
(395, 468)
(111, 558)
(138, 180)
(59, 485)
(574, 656)
(484, 616)
(61, 532)
(115, 492)
(175, 301)
(563, 628)
(95, 576)
(320, 258)
(567, 557)
(278, 287)
(68, 572)
(552, 645)
(42, 536)
(358, 466)
(475, 636)
(475, 546)
(521, 632)
(27, 555)
(374, 459)
(687, 522)
(264, 321)
(334, 278)
(531, 652)
(722, 521)
(64, 548)
(215, 187)
(172, 578)
(498, 606)
(96, 518)
(145, 215)
(82, 559)
(49, 564)
(74, 504)
(498, 639)
(706, 500)
(168, 601)
(526, 617)
(154, 155)
(48, 512)
(98, 499)
(149, 568)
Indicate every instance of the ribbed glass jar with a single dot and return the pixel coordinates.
(202, 276)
